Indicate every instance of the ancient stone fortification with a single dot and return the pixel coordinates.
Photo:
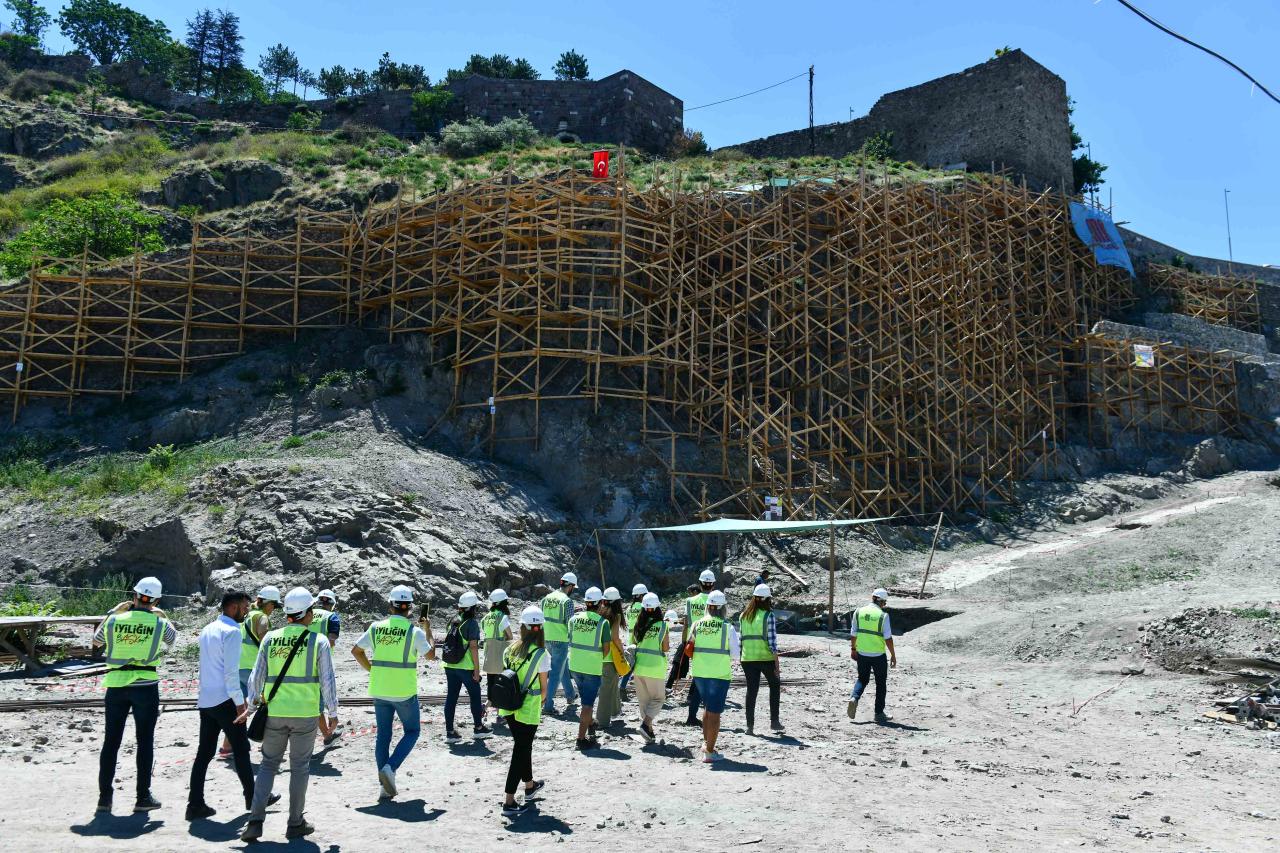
(1010, 112)
(622, 108)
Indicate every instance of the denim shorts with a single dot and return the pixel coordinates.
(713, 692)
(588, 687)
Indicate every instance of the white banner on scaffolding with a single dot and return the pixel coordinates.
(1144, 355)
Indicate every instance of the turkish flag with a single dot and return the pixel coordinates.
(600, 164)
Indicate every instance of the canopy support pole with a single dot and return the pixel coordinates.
(831, 583)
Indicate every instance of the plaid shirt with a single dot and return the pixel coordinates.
(771, 632)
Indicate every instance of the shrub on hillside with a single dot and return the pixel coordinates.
(728, 155)
(31, 85)
(110, 224)
(303, 119)
(474, 137)
(689, 144)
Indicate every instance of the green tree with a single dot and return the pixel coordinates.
(360, 82)
(226, 58)
(200, 39)
(1002, 51)
(30, 19)
(308, 80)
(571, 66)
(278, 64)
(108, 223)
(334, 81)
(99, 28)
(430, 108)
(391, 75)
(499, 66)
(1086, 172)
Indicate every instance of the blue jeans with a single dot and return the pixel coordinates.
(559, 675)
(458, 679)
(410, 714)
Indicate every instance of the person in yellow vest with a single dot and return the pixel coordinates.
(869, 636)
(495, 635)
(759, 630)
(464, 672)
(325, 621)
(527, 657)
(588, 636)
(715, 647)
(557, 610)
(389, 650)
(609, 702)
(695, 607)
(652, 637)
(638, 593)
(136, 635)
(254, 627)
(293, 676)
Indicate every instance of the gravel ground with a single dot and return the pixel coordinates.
(985, 752)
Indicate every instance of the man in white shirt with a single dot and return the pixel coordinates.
(869, 637)
(220, 702)
(389, 652)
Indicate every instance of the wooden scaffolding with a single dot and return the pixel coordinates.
(1223, 300)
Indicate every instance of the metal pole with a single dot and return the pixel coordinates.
(813, 146)
(1226, 203)
(831, 583)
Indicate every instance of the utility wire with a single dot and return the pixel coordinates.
(748, 94)
(1153, 22)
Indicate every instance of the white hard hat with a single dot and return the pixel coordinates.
(612, 594)
(532, 615)
(497, 596)
(297, 600)
(762, 591)
(269, 593)
(651, 601)
(468, 599)
(881, 593)
(401, 595)
(592, 595)
(569, 578)
(672, 616)
(150, 587)
(707, 576)
(327, 593)
(715, 599)
(639, 589)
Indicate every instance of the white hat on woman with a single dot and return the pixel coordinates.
(468, 599)
(497, 596)
(762, 591)
(532, 615)
(651, 601)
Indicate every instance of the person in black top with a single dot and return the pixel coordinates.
(466, 672)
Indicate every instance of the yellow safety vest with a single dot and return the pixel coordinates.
(133, 646)
(650, 662)
(755, 637)
(555, 610)
(695, 607)
(393, 668)
(526, 670)
(320, 621)
(249, 643)
(299, 693)
(711, 649)
(586, 643)
(869, 639)
(633, 616)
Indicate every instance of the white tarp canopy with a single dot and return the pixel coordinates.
(746, 525)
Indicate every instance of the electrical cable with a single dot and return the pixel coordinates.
(1153, 22)
(748, 94)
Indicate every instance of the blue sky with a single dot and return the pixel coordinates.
(1175, 126)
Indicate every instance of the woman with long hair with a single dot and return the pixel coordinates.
(652, 638)
(759, 630)
(609, 704)
(464, 673)
(527, 657)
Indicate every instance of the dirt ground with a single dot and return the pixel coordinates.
(984, 753)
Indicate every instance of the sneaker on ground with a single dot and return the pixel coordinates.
(711, 757)
(777, 726)
(387, 776)
(146, 804)
(853, 708)
(751, 729)
(481, 732)
(252, 831)
(693, 722)
(882, 717)
(452, 737)
(198, 812)
(537, 786)
(271, 801)
(647, 731)
(298, 830)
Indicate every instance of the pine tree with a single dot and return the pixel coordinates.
(200, 38)
(333, 82)
(227, 53)
(277, 65)
(30, 19)
(571, 66)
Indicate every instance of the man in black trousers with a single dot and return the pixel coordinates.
(220, 702)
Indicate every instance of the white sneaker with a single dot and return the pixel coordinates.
(387, 777)
(711, 757)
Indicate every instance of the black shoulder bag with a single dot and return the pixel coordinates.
(258, 725)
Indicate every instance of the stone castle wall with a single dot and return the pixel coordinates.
(1010, 112)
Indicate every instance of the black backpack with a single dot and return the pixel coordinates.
(454, 649)
(505, 692)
